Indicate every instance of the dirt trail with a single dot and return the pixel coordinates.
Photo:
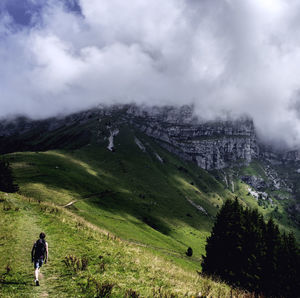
(70, 204)
(98, 194)
(30, 231)
(44, 283)
(21, 228)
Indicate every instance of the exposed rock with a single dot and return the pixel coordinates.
(253, 193)
(113, 133)
(158, 157)
(291, 155)
(280, 197)
(256, 182)
(139, 144)
(259, 195)
(212, 145)
(198, 207)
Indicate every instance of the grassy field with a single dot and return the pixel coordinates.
(113, 266)
(128, 192)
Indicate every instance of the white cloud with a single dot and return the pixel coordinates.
(228, 56)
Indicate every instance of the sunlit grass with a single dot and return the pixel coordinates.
(110, 259)
(108, 189)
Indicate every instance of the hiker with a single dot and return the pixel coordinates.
(39, 255)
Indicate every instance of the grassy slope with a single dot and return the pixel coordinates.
(110, 261)
(129, 192)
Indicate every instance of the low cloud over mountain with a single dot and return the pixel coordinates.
(228, 58)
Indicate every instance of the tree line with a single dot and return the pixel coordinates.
(247, 252)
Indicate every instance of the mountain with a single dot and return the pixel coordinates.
(230, 150)
(230, 147)
(154, 178)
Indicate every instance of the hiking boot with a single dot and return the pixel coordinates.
(37, 283)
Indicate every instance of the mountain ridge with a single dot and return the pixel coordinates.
(223, 148)
(172, 125)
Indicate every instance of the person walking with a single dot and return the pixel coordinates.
(39, 255)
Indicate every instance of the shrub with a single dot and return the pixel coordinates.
(189, 252)
(6, 207)
(104, 290)
(7, 268)
(131, 293)
(76, 264)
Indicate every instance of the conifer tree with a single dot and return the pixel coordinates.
(214, 263)
(253, 247)
(270, 264)
(249, 253)
(289, 266)
(225, 244)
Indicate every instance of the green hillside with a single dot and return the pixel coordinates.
(138, 207)
(128, 192)
(111, 262)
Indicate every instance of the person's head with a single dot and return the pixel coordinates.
(42, 235)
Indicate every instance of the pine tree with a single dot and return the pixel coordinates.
(253, 247)
(289, 266)
(249, 253)
(214, 263)
(224, 246)
(271, 282)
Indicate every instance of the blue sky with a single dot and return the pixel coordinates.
(22, 11)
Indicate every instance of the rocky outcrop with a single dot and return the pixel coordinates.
(212, 145)
(256, 182)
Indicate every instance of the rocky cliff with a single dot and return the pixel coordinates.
(212, 145)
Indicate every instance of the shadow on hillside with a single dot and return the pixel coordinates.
(12, 282)
(112, 203)
(4, 281)
(110, 182)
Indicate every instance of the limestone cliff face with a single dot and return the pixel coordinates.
(212, 145)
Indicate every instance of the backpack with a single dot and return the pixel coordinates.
(40, 249)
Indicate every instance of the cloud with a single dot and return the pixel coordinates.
(226, 57)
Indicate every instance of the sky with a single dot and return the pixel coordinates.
(229, 58)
